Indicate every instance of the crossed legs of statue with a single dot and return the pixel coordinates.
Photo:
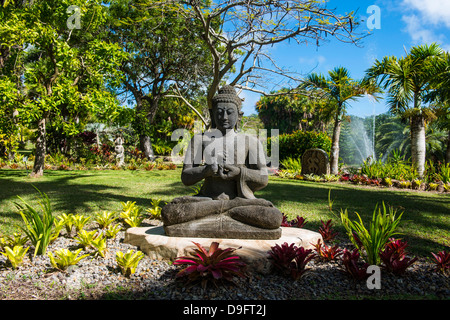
(204, 217)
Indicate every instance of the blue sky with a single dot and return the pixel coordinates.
(403, 24)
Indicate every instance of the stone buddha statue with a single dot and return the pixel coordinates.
(232, 166)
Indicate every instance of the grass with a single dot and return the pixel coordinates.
(425, 223)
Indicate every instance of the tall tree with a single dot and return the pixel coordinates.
(248, 28)
(338, 89)
(292, 112)
(440, 97)
(408, 80)
(67, 70)
(164, 52)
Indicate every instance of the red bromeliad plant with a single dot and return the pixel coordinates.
(394, 257)
(290, 260)
(282, 256)
(327, 231)
(212, 265)
(442, 261)
(326, 252)
(298, 266)
(298, 222)
(352, 266)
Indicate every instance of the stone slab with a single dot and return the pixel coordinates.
(157, 245)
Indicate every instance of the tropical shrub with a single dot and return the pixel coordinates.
(16, 239)
(298, 222)
(374, 238)
(112, 230)
(394, 257)
(129, 261)
(213, 265)
(15, 255)
(155, 210)
(104, 219)
(99, 244)
(327, 231)
(289, 259)
(325, 252)
(292, 164)
(64, 258)
(441, 261)
(79, 221)
(301, 259)
(131, 214)
(38, 226)
(67, 221)
(85, 238)
(352, 266)
(295, 144)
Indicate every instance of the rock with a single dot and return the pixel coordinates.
(157, 245)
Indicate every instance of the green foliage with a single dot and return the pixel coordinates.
(99, 244)
(104, 219)
(155, 210)
(15, 255)
(85, 238)
(79, 221)
(131, 214)
(64, 258)
(295, 144)
(16, 239)
(129, 261)
(38, 226)
(112, 230)
(370, 241)
(292, 164)
(66, 220)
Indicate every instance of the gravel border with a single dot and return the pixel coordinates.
(97, 278)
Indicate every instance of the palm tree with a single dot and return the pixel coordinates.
(338, 89)
(440, 97)
(408, 81)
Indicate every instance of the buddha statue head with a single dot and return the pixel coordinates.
(226, 109)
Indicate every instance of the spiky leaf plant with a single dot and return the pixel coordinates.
(214, 265)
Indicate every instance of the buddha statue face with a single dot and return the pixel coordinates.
(225, 115)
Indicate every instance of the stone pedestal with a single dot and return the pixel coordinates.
(157, 245)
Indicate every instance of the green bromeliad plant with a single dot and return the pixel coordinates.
(104, 219)
(132, 214)
(15, 255)
(64, 258)
(372, 239)
(129, 261)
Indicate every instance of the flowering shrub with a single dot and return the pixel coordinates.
(211, 265)
(290, 260)
(394, 257)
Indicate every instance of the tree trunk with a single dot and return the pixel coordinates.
(418, 146)
(447, 155)
(146, 147)
(39, 159)
(334, 154)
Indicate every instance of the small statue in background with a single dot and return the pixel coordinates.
(120, 151)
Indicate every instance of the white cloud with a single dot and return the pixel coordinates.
(436, 12)
(418, 32)
(427, 20)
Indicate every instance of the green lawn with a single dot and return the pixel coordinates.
(425, 224)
